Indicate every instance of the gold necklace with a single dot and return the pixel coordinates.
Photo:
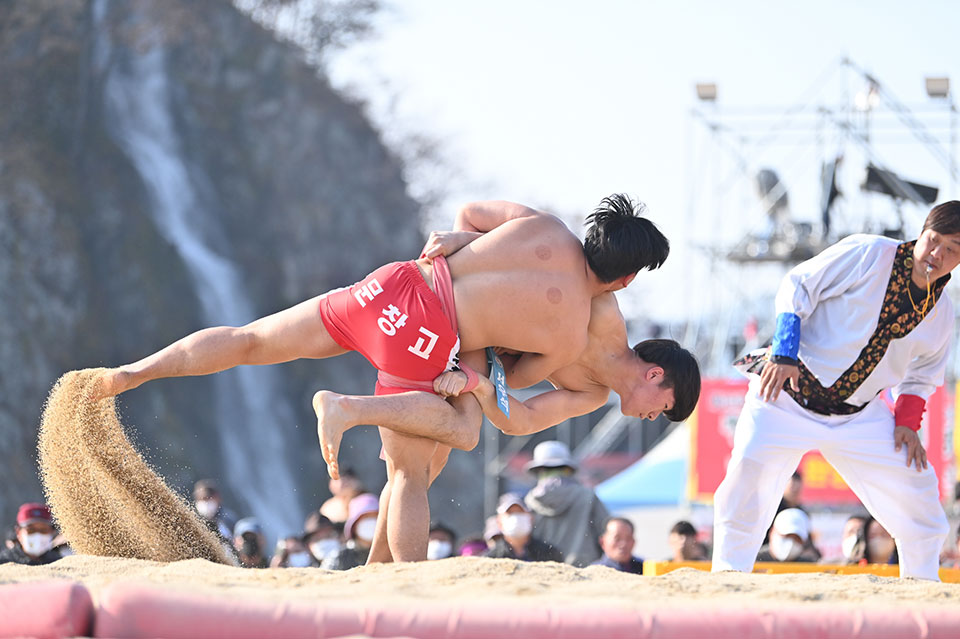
(926, 299)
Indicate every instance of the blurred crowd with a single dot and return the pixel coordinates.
(559, 519)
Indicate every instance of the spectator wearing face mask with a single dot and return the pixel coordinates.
(34, 536)
(359, 531)
(291, 553)
(250, 544)
(853, 540)
(789, 538)
(209, 505)
(617, 542)
(516, 524)
(567, 514)
(441, 542)
(321, 537)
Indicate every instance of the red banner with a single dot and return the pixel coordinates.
(711, 440)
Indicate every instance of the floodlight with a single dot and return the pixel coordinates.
(707, 91)
(938, 87)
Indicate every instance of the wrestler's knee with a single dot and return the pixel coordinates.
(469, 421)
(408, 456)
(469, 438)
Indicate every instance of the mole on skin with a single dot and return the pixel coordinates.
(543, 252)
(554, 295)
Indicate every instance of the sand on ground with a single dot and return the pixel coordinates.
(468, 581)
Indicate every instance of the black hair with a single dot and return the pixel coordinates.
(684, 528)
(944, 218)
(446, 529)
(620, 241)
(863, 548)
(623, 520)
(680, 372)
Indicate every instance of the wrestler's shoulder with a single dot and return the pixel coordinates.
(551, 225)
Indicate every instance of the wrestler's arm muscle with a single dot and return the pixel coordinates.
(471, 222)
(484, 216)
(539, 412)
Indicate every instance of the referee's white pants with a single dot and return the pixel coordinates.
(770, 439)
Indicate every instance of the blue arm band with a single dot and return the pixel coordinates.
(786, 339)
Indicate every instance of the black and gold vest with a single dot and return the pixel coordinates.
(897, 318)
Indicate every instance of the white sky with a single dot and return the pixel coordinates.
(556, 104)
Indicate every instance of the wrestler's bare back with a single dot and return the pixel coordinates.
(524, 286)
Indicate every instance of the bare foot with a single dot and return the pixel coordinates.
(113, 382)
(332, 423)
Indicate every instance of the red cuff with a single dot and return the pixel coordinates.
(472, 380)
(908, 411)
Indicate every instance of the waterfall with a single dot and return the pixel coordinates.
(251, 413)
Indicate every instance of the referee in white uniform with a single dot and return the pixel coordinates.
(867, 314)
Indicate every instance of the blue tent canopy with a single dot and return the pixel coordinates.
(659, 479)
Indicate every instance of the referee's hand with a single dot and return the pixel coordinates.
(773, 376)
(915, 452)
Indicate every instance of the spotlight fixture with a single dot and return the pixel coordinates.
(707, 91)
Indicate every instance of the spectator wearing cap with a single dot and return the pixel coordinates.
(35, 533)
(337, 508)
(359, 531)
(617, 542)
(321, 536)
(441, 542)
(567, 515)
(491, 531)
(250, 544)
(683, 543)
(789, 538)
(209, 505)
(518, 542)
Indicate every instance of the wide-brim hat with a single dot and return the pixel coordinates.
(552, 454)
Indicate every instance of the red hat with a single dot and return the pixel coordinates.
(33, 512)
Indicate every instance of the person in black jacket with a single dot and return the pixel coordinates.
(516, 524)
(35, 535)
